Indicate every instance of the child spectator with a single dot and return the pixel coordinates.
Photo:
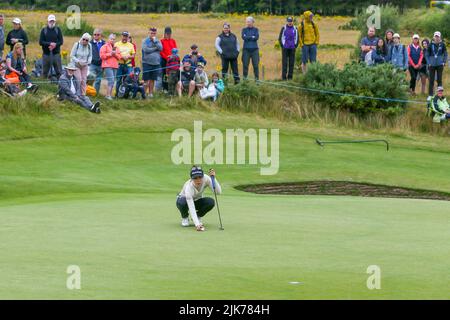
(214, 89)
(134, 85)
(173, 71)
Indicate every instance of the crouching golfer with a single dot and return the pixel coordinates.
(190, 199)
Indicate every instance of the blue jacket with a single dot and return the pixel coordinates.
(436, 54)
(378, 57)
(398, 56)
(250, 37)
(96, 46)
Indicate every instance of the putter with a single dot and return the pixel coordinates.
(213, 178)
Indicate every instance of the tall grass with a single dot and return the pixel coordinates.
(284, 104)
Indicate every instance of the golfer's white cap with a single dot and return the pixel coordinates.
(396, 35)
(17, 21)
(416, 36)
(439, 89)
(51, 18)
(437, 34)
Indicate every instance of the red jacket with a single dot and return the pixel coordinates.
(168, 45)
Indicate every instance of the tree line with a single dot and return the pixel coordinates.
(281, 7)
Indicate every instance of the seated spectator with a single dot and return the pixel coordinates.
(173, 71)
(201, 78)
(398, 56)
(214, 89)
(69, 89)
(134, 85)
(186, 81)
(195, 57)
(377, 55)
(8, 87)
(440, 109)
(17, 68)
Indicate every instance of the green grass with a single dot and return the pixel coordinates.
(99, 192)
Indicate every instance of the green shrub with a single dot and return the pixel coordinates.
(381, 81)
(426, 22)
(84, 27)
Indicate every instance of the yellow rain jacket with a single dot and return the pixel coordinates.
(308, 31)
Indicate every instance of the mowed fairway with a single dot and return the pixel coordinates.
(106, 203)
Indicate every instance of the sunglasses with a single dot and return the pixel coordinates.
(85, 39)
(97, 34)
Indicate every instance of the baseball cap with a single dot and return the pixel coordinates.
(17, 21)
(396, 35)
(416, 36)
(197, 172)
(126, 33)
(194, 46)
(201, 64)
(168, 30)
(437, 34)
(51, 18)
(289, 19)
(174, 51)
(439, 89)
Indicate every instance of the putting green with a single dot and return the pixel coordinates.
(131, 246)
(100, 194)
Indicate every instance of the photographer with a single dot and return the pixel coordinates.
(195, 57)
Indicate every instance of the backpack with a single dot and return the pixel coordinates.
(303, 30)
(90, 49)
(56, 30)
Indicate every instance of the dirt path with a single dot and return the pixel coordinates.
(343, 188)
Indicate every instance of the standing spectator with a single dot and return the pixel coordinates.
(368, 43)
(151, 60)
(309, 39)
(389, 40)
(436, 56)
(96, 65)
(186, 81)
(127, 53)
(2, 35)
(289, 42)
(195, 57)
(168, 45)
(250, 50)
(17, 67)
(81, 57)
(173, 71)
(51, 40)
(227, 44)
(415, 57)
(424, 74)
(110, 56)
(133, 60)
(398, 56)
(17, 35)
(69, 89)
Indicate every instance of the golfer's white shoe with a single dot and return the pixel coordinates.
(185, 222)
